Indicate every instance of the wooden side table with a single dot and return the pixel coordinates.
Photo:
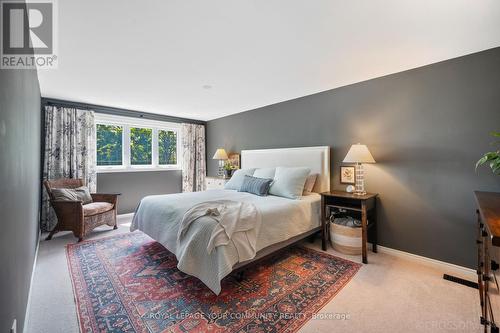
(363, 206)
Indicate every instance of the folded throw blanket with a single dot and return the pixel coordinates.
(237, 222)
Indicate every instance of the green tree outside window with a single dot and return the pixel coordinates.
(167, 147)
(141, 152)
(109, 144)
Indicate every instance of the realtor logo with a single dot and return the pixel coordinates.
(28, 34)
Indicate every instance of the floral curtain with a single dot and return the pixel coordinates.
(193, 157)
(69, 151)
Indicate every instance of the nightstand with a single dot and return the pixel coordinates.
(363, 207)
(215, 183)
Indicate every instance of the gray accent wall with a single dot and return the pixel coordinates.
(425, 127)
(133, 186)
(20, 190)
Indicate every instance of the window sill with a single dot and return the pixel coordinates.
(126, 170)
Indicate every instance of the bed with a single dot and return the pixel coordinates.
(284, 221)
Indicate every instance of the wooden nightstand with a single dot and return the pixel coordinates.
(363, 207)
(215, 183)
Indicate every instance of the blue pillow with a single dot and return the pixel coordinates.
(264, 173)
(237, 179)
(289, 182)
(255, 185)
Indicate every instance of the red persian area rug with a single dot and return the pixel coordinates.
(130, 283)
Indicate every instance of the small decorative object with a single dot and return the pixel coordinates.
(350, 189)
(347, 175)
(359, 154)
(493, 157)
(228, 169)
(234, 159)
(221, 155)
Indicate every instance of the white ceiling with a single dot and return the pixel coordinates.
(207, 59)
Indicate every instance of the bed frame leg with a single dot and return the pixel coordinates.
(240, 276)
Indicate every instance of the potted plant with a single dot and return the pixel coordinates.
(228, 169)
(492, 157)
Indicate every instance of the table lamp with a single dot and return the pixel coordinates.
(221, 155)
(359, 154)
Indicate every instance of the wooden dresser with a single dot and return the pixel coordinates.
(488, 246)
(215, 183)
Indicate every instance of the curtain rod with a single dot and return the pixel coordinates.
(118, 112)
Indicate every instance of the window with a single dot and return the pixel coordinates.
(141, 146)
(129, 144)
(109, 144)
(167, 146)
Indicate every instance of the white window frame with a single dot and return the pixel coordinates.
(126, 123)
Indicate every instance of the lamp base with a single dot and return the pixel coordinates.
(220, 172)
(360, 180)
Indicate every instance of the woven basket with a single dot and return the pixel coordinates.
(344, 239)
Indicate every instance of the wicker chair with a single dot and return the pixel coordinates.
(77, 217)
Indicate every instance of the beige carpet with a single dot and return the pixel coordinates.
(389, 294)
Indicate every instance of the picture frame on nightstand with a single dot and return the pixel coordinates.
(234, 159)
(347, 175)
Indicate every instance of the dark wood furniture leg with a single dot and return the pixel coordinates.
(323, 224)
(374, 226)
(484, 277)
(116, 212)
(364, 233)
(480, 263)
(240, 276)
(52, 233)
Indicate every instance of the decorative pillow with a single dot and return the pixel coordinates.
(289, 182)
(310, 181)
(237, 179)
(73, 194)
(264, 173)
(255, 185)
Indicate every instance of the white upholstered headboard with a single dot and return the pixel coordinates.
(315, 158)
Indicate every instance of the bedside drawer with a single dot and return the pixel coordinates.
(215, 183)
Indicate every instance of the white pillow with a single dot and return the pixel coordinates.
(289, 182)
(310, 182)
(264, 173)
(237, 179)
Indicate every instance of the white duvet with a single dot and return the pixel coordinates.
(160, 216)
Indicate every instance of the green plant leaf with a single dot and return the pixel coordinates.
(493, 157)
(495, 166)
(489, 156)
(481, 161)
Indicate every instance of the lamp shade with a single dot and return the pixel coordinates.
(220, 154)
(358, 154)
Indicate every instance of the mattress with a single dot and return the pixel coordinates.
(159, 216)
(282, 218)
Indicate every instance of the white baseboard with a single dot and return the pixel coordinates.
(28, 303)
(446, 267)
